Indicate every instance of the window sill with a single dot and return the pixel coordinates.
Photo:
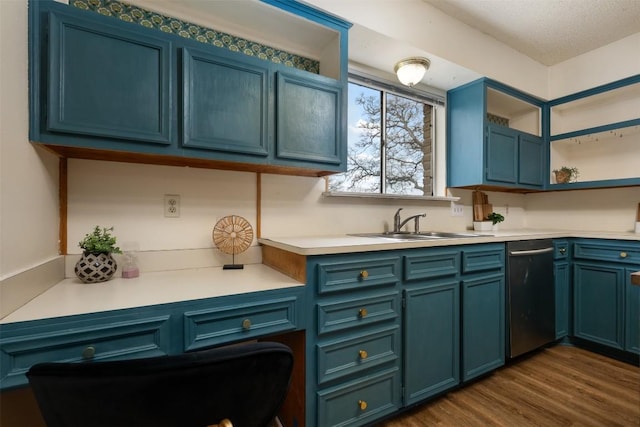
(389, 196)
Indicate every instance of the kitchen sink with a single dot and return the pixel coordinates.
(421, 235)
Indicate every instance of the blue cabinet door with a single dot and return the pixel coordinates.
(483, 327)
(432, 337)
(531, 160)
(309, 124)
(561, 277)
(598, 303)
(225, 103)
(107, 82)
(632, 313)
(502, 155)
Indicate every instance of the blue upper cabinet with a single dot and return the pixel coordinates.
(309, 131)
(225, 103)
(494, 138)
(180, 94)
(105, 83)
(597, 133)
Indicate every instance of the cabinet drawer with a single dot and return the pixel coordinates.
(357, 312)
(560, 249)
(360, 274)
(482, 258)
(209, 327)
(432, 264)
(360, 402)
(118, 340)
(624, 252)
(341, 358)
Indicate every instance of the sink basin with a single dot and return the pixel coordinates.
(422, 235)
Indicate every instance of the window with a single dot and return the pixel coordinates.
(393, 155)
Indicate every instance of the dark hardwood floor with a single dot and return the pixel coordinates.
(557, 386)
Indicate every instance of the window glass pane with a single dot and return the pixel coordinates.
(408, 146)
(363, 161)
(391, 155)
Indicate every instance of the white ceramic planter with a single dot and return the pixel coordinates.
(482, 225)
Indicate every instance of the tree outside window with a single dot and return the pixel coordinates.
(392, 156)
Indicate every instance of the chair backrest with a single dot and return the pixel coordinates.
(245, 383)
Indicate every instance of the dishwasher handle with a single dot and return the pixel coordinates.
(531, 252)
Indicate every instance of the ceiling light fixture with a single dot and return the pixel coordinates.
(411, 70)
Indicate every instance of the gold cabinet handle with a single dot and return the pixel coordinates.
(563, 250)
(362, 404)
(246, 324)
(364, 274)
(363, 354)
(88, 352)
(362, 312)
(623, 254)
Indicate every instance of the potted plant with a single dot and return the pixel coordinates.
(96, 263)
(566, 174)
(489, 223)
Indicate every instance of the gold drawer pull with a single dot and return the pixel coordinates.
(363, 354)
(246, 324)
(362, 404)
(563, 250)
(623, 254)
(362, 312)
(364, 274)
(88, 352)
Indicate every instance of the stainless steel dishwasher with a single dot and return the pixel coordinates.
(530, 296)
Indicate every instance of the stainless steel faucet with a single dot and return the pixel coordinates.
(398, 224)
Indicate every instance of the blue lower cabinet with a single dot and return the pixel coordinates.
(606, 304)
(99, 338)
(632, 313)
(351, 356)
(483, 324)
(432, 340)
(561, 274)
(361, 401)
(598, 303)
(239, 321)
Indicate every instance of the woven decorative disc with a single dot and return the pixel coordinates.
(232, 234)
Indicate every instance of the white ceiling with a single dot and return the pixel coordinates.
(548, 31)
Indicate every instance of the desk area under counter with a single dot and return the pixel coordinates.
(155, 314)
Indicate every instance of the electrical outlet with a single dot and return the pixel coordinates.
(456, 209)
(172, 205)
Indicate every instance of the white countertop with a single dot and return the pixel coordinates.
(71, 296)
(341, 244)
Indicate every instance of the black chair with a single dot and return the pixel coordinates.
(245, 384)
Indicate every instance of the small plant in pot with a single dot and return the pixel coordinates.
(489, 223)
(566, 174)
(96, 263)
(495, 219)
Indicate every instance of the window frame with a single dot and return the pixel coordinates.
(413, 94)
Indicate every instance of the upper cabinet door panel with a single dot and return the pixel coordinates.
(502, 155)
(108, 82)
(225, 104)
(309, 119)
(531, 160)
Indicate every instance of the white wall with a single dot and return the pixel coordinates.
(28, 177)
(612, 209)
(291, 206)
